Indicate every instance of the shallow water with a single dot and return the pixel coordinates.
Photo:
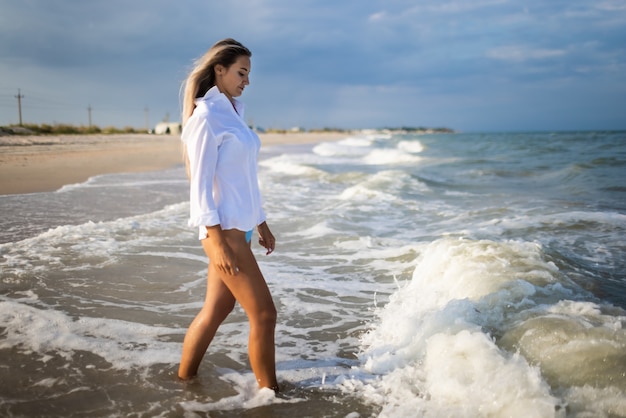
(434, 275)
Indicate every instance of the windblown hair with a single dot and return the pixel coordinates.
(202, 77)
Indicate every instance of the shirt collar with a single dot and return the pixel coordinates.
(214, 92)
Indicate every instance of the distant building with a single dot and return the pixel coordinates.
(168, 128)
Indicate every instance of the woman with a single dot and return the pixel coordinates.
(225, 204)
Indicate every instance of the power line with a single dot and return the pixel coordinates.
(43, 102)
(61, 104)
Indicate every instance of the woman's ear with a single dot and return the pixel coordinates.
(219, 69)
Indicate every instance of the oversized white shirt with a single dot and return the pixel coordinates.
(223, 153)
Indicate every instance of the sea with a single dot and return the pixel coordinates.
(431, 275)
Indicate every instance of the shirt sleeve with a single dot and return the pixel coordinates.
(202, 147)
(261, 213)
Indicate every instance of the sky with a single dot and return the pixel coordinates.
(469, 65)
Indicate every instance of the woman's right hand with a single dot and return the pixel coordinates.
(219, 252)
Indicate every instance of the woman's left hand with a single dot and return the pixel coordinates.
(266, 238)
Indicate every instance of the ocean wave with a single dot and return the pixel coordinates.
(75, 247)
(463, 330)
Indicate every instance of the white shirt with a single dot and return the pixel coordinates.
(223, 152)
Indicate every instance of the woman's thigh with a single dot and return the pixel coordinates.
(219, 298)
(248, 286)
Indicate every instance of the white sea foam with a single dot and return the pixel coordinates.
(350, 147)
(123, 180)
(390, 156)
(433, 351)
(413, 147)
(385, 186)
(248, 396)
(74, 186)
(74, 247)
(285, 165)
(363, 193)
(356, 141)
(33, 329)
(319, 230)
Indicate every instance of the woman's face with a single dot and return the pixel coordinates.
(232, 80)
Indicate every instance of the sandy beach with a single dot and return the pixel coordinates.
(30, 164)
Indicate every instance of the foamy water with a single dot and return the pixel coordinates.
(438, 275)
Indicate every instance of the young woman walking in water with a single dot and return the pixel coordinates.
(225, 204)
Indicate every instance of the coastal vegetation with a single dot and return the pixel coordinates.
(64, 129)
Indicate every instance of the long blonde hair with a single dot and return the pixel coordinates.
(202, 77)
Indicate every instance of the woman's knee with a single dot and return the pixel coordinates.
(265, 317)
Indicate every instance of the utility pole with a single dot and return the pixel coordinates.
(89, 112)
(146, 110)
(19, 97)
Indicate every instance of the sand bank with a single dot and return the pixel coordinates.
(30, 164)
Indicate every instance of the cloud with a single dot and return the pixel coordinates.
(611, 5)
(377, 16)
(314, 63)
(459, 6)
(521, 53)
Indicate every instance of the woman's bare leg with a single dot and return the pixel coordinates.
(218, 304)
(250, 290)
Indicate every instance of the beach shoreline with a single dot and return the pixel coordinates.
(31, 164)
